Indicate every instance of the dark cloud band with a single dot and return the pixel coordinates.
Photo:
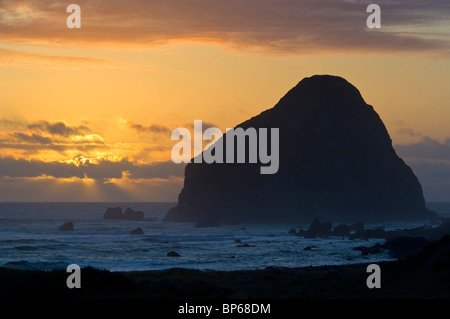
(100, 170)
(274, 25)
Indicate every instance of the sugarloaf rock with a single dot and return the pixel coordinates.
(336, 163)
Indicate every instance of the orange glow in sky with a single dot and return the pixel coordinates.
(85, 115)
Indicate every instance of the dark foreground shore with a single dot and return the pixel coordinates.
(426, 275)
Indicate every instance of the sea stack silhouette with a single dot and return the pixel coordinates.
(336, 162)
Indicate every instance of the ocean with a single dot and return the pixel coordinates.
(29, 239)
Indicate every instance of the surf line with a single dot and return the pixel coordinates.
(235, 142)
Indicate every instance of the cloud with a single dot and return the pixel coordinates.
(281, 26)
(430, 161)
(57, 62)
(11, 124)
(50, 189)
(205, 125)
(38, 137)
(36, 147)
(427, 149)
(409, 132)
(435, 179)
(100, 170)
(60, 140)
(33, 138)
(164, 129)
(153, 128)
(16, 14)
(58, 128)
(45, 135)
(79, 165)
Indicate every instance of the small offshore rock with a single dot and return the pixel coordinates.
(173, 254)
(137, 231)
(66, 227)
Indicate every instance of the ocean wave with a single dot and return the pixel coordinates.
(39, 247)
(30, 220)
(28, 248)
(38, 265)
(36, 244)
(27, 241)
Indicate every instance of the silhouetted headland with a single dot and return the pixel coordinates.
(336, 163)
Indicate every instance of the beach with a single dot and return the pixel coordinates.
(424, 277)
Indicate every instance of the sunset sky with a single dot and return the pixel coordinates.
(86, 114)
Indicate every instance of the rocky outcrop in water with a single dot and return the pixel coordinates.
(336, 162)
(66, 227)
(137, 231)
(130, 214)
